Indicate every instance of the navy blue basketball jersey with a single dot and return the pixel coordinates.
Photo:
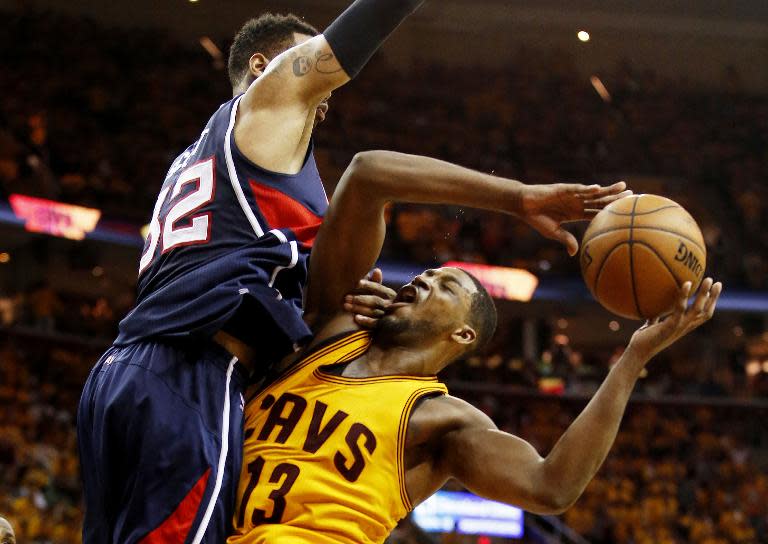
(228, 246)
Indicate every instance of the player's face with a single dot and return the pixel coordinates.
(434, 302)
(322, 108)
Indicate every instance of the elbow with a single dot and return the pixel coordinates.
(560, 504)
(366, 164)
(367, 172)
(554, 502)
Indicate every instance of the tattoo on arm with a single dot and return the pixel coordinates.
(323, 64)
(302, 66)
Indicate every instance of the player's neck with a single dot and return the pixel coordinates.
(395, 361)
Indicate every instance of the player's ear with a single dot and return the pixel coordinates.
(257, 64)
(464, 335)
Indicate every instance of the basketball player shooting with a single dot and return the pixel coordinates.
(357, 430)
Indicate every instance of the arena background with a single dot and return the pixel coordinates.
(672, 96)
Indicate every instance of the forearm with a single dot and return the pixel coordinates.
(580, 452)
(354, 228)
(385, 176)
(358, 32)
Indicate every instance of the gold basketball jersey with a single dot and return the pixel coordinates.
(323, 454)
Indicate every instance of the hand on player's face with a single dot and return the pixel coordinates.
(547, 207)
(369, 300)
(658, 334)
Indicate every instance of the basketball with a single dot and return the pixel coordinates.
(638, 251)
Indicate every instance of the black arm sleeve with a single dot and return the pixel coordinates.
(358, 32)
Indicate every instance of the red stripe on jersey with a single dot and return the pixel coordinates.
(176, 527)
(283, 212)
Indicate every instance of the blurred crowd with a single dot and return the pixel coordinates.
(697, 366)
(43, 308)
(40, 383)
(102, 131)
(677, 474)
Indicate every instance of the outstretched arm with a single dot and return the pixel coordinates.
(503, 467)
(352, 234)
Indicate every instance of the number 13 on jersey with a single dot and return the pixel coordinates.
(174, 223)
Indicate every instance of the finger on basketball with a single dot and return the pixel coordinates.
(605, 200)
(714, 295)
(702, 296)
(682, 300)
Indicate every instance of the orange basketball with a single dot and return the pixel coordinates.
(638, 251)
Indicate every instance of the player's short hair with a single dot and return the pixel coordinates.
(482, 314)
(269, 34)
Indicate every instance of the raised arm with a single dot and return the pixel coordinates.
(278, 111)
(353, 231)
(318, 66)
(503, 467)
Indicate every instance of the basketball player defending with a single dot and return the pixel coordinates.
(357, 430)
(160, 418)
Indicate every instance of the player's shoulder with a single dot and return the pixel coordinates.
(438, 415)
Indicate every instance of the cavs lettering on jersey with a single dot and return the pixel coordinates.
(323, 454)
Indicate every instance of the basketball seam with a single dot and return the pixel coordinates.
(632, 257)
(653, 249)
(602, 265)
(624, 214)
(658, 229)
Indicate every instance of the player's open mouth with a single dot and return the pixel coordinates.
(408, 294)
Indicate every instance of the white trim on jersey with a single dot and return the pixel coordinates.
(228, 143)
(280, 235)
(294, 260)
(222, 459)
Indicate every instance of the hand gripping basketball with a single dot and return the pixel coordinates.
(637, 253)
(659, 333)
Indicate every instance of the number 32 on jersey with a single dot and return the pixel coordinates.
(179, 226)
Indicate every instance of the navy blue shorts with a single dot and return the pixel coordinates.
(160, 436)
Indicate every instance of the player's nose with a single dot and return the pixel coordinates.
(421, 282)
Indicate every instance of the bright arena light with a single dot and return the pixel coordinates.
(600, 88)
(583, 35)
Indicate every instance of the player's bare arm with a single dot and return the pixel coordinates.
(277, 112)
(448, 438)
(354, 227)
